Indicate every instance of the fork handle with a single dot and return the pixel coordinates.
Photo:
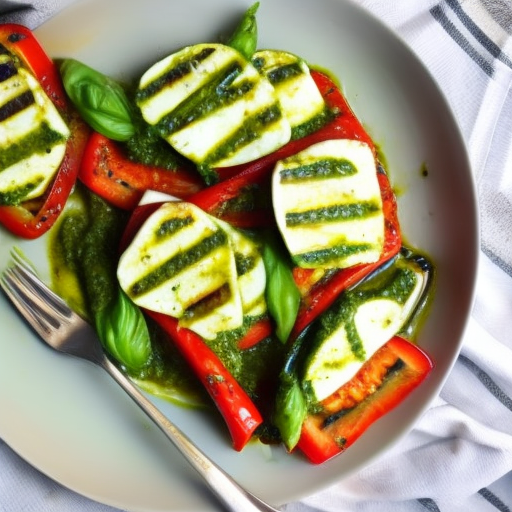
(228, 492)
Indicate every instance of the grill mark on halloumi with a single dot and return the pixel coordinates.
(255, 125)
(183, 68)
(250, 269)
(204, 306)
(178, 263)
(16, 105)
(33, 135)
(301, 101)
(40, 140)
(335, 213)
(217, 111)
(7, 70)
(284, 73)
(318, 170)
(323, 257)
(216, 94)
(170, 227)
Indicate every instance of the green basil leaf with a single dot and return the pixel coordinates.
(281, 293)
(245, 37)
(124, 333)
(290, 411)
(101, 101)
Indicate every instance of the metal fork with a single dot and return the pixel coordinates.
(65, 331)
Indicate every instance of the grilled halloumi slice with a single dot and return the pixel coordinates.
(181, 263)
(251, 275)
(33, 135)
(328, 205)
(192, 266)
(364, 321)
(213, 106)
(298, 94)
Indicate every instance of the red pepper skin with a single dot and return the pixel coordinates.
(349, 412)
(34, 218)
(257, 332)
(20, 41)
(135, 222)
(240, 414)
(323, 294)
(233, 180)
(253, 176)
(108, 173)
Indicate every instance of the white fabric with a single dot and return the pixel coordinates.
(459, 456)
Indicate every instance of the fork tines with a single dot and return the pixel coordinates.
(42, 308)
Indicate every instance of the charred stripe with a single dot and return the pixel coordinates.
(324, 256)
(178, 263)
(325, 168)
(174, 74)
(16, 105)
(7, 70)
(334, 213)
(207, 99)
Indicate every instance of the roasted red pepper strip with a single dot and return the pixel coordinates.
(21, 42)
(384, 381)
(322, 294)
(34, 218)
(137, 219)
(345, 125)
(240, 414)
(257, 332)
(252, 179)
(122, 182)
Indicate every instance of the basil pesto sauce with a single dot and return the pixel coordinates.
(321, 169)
(39, 141)
(178, 263)
(325, 256)
(148, 148)
(81, 247)
(396, 282)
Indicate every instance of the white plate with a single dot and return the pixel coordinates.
(66, 418)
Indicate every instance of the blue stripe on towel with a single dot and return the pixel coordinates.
(486, 380)
(500, 263)
(493, 500)
(478, 34)
(429, 504)
(440, 16)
